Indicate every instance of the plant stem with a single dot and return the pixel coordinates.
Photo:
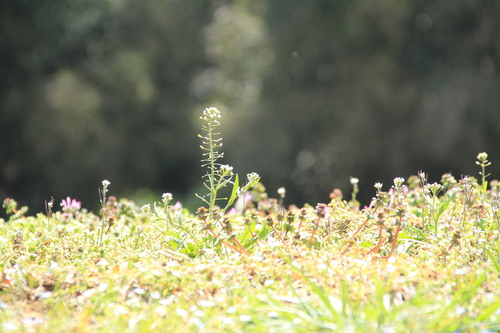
(211, 157)
(395, 240)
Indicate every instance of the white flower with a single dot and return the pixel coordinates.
(146, 209)
(354, 181)
(378, 186)
(105, 183)
(226, 169)
(167, 197)
(211, 114)
(482, 157)
(253, 177)
(434, 188)
(398, 181)
(245, 318)
(282, 192)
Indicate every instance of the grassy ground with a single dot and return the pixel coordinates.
(422, 258)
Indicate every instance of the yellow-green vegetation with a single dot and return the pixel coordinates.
(386, 268)
(420, 258)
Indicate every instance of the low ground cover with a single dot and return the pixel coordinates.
(420, 258)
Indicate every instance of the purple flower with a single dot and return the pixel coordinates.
(71, 205)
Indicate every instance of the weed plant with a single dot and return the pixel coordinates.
(419, 258)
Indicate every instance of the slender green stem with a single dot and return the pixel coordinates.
(211, 157)
(433, 214)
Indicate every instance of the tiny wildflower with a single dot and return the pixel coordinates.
(378, 186)
(226, 169)
(434, 188)
(70, 204)
(398, 181)
(322, 210)
(422, 176)
(252, 179)
(167, 197)
(355, 189)
(211, 114)
(483, 163)
(467, 190)
(105, 184)
(282, 192)
(482, 159)
(146, 209)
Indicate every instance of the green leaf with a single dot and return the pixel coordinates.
(404, 235)
(251, 184)
(444, 205)
(234, 193)
(179, 218)
(366, 244)
(420, 234)
(264, 232)
(246, 233)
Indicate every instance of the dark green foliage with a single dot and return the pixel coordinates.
(315, 92)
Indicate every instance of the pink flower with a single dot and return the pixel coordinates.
(71, 205)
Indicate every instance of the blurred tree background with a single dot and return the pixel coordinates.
(312, 92)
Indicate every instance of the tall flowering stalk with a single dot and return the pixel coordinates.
(210, 144)
(218, 176)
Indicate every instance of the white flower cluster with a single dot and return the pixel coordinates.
(167, 197)
(482, 157)
(105, 184)
(398, 181)
(282, 192)
(211, 114)
(252, 177)
(226, 169)
(434, 189)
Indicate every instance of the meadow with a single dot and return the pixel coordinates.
(421, 257)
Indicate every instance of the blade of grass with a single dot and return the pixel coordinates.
(234, 193)
(320, 293)
(493, 259)
(461, 296)
(486, 313)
